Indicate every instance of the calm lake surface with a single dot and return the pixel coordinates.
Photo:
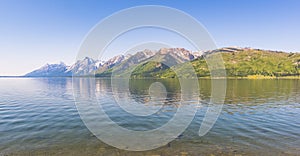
(38, 116)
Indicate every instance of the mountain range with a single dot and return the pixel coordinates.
(239, 62)
(84, 67)
(89, 66)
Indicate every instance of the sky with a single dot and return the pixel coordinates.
(35, 32)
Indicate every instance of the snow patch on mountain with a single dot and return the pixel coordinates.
(89, 66)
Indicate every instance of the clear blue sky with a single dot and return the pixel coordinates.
(34, 32)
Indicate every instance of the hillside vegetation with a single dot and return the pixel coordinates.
(238, 63)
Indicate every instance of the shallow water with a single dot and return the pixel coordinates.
(38, 116)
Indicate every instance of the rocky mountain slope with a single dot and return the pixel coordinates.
(239, 62)
(245, 62)
(84, 67)
(50, 70)
(163, 59)
(89, 66)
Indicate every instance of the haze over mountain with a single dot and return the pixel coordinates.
(239, 62)
(51, 70)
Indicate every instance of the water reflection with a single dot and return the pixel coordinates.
(258, 114)
(246, 92)
(254, 92)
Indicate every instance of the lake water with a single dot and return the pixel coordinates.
(38, 116)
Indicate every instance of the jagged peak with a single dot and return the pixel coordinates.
(89, 64)
(54, 64)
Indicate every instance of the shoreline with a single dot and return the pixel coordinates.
(174, 148)
(251, 77)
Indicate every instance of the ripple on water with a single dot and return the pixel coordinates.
(39, 115)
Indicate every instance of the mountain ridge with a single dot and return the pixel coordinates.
(239, 62)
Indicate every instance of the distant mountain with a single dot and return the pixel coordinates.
(180, 54)
(89, 66)
(163, 60)
(136, 58)
(239, 62)
(50, 70)
(83, 67)
(150, 61)
(116, 60)
(244, 62)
